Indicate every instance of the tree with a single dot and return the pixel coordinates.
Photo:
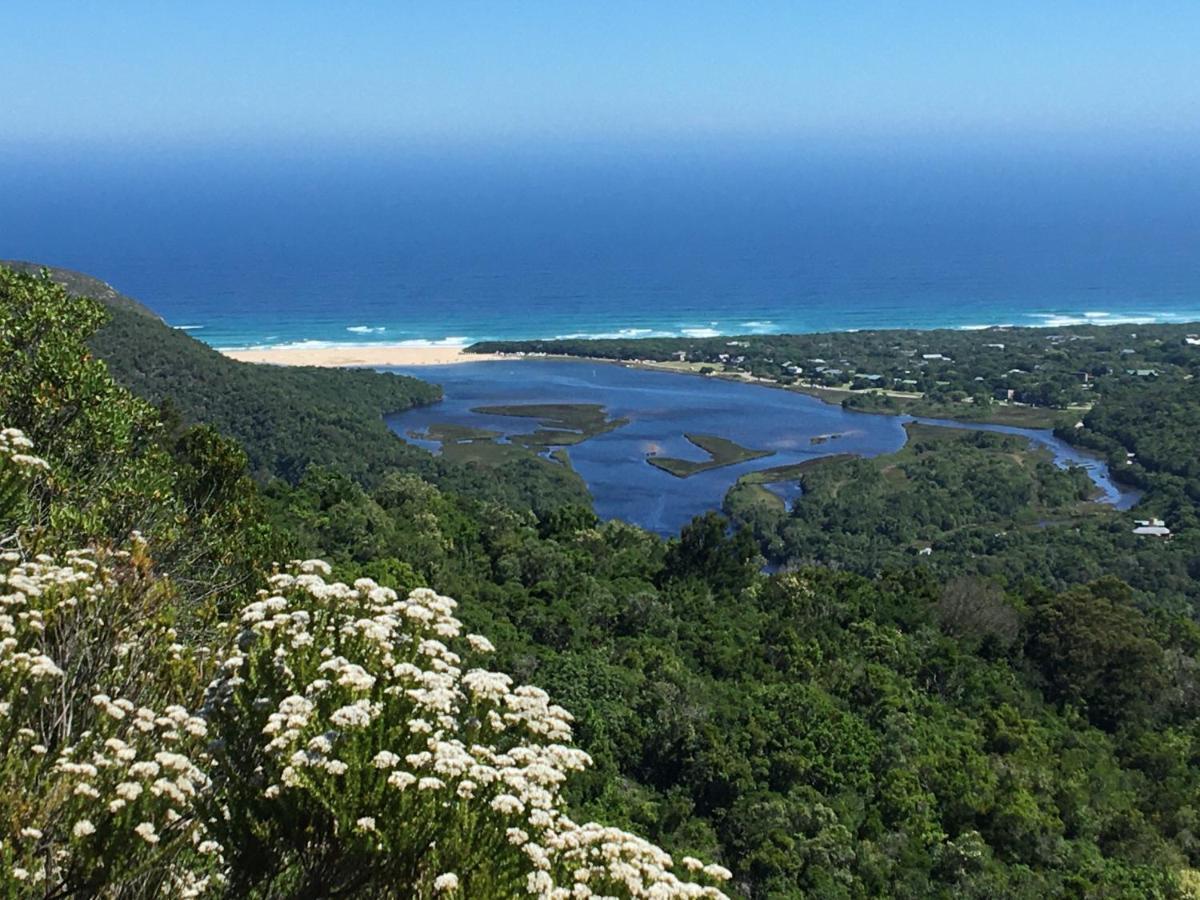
(1094, 649)
(707, 551)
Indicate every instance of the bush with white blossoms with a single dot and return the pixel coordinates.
(102, 765)
(13, 444)
(366, 745)
(97, 788)
(17, 467)
(349, 741)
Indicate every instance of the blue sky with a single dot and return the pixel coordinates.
(194, 73)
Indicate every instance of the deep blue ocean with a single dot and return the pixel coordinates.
(250, 249)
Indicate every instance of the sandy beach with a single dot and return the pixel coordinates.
(368, 355)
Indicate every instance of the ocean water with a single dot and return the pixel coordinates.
(661, 408)
(250, 249)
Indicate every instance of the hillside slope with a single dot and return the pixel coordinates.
(289, 418)
(823, 733)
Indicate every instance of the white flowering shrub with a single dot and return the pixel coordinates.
(97, 789)
(365, 745)
(17, 468)
(102, 766)
(13, 444)
(350, 741)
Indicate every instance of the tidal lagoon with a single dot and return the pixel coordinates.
(660, 409)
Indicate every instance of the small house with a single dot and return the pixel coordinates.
(1152, 527)
(1153, 530)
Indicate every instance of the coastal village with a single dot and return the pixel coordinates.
(1033, 373)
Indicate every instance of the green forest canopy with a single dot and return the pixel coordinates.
(905, 732)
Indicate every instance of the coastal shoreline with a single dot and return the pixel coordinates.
(368, 355)
(383, 356)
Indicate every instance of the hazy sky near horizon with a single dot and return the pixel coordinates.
(121, 73)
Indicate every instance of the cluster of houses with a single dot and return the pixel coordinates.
(821, 371)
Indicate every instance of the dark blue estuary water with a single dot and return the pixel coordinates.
(661, 408)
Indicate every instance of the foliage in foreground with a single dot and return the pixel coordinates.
(117, 466)
(342, 746)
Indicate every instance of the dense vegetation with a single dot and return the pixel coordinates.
(829, 734)
(1148, 433)
(982, 504)
(288, 418)
(871, 514)
(914, 732)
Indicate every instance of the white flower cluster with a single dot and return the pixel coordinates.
(368, 712)
(100, 779)
(13, 444)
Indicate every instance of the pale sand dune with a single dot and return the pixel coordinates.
(374, 355)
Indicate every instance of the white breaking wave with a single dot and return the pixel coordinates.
(1062, 320)
(623, 333)
(1093, 317)
(440, 342)
(756, 326)
(712, 330)
(187, 327)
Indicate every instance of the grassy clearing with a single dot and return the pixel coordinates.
(560, 424)
(766, 500)
(485, 453)
(793, 471)
(447, 432)
(722, 452)
(924, 438)
(568, 416)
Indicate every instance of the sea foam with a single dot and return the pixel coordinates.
(368, 333)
